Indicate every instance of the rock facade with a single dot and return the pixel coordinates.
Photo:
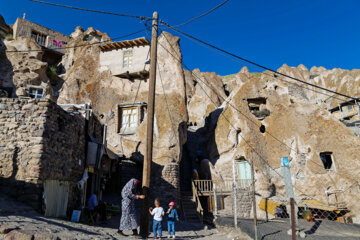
(299, 129)
(87, 81)
(40, 141)
(22, 71)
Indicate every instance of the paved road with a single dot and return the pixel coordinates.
(321, 230)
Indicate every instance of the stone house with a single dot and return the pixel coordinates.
(127, 59)
(42, 146)
(43, 36)
(346, 110)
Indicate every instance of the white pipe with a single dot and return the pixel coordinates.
(234, 190)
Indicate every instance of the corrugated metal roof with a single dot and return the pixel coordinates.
(125, 44)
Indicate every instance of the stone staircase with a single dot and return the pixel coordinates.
(189, 208)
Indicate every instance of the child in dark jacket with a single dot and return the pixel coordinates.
(172, 216)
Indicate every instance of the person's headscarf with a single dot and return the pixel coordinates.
(129, 187)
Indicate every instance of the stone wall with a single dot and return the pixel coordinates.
(114, 60)
(23, 27)
(39, 141)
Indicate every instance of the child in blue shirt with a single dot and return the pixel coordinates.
(172, 216)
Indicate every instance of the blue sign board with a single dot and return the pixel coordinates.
(75, 217)
(285, 162)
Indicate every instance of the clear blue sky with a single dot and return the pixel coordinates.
(314, 33)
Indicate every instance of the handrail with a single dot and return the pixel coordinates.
(196, 199)
(203, 185)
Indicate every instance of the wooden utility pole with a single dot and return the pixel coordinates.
(293, 219)
(144, 221)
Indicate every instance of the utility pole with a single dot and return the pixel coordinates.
(144, 221)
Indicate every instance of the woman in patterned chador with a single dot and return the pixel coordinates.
(129, 194)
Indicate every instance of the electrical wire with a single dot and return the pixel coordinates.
(91, 10)
(202, 15)
(247, 143)
(229, 103)
(265, 73)
(256, 64)
(77, 46)
(163, 88)
(253, 149)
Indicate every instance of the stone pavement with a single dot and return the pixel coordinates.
(33, 226)
(277, 229)
(19, 222)
(25, 226)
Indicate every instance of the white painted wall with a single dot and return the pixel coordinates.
(113, 60)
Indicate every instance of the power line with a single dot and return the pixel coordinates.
(91, 10)
(265, 73)
(81, 45)
(247, 143)
(202, 15)
(163, 88)
(224, 100)
(253, 149)
(256, 64)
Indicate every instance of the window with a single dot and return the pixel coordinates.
(129, 117)
(39, 38)
(327, 160)
(257, 107)
(127, 59)
(244, 173)
(350, 107)
(35, 93)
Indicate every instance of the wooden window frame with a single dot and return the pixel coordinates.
(128, 58)
(122, 109)
(39, 37)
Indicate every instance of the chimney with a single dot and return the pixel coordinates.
(24, 16)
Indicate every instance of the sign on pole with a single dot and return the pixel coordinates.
(285, 165)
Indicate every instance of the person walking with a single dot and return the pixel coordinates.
(172, 216)
(158, 213)
(129, 194)
(97, 207)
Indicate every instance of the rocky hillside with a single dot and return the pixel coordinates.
(296, 128)
(339, 80)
